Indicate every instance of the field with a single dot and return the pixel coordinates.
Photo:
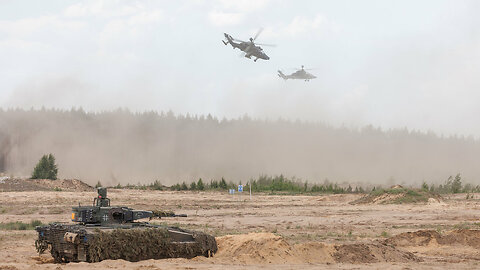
(270, 231)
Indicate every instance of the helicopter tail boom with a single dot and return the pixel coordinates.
(281, 75)
(229, 40)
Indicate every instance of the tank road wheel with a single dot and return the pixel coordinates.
(56, 256)
(41, 246)
(59, 257)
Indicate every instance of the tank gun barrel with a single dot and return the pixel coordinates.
(160, 214)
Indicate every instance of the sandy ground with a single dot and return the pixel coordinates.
(267, 232)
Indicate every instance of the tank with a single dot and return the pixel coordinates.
(102, 232)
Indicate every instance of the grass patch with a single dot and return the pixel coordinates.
(20, 226)
(462, 226)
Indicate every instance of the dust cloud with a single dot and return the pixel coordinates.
(124, 147)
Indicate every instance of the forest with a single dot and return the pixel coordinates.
(120, 147)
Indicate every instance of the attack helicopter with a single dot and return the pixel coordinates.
(300, 74)
(250, 48)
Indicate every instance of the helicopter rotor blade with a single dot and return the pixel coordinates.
(300, 68)
(258, 33)
(268, 45)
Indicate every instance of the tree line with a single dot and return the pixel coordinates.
(121, 146)
(281, 184)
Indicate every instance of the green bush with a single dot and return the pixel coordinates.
(156, 185)
(377, 191)
(412, 192)
(425, 186)
(46, 168)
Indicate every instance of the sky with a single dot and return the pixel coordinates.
(390, 64)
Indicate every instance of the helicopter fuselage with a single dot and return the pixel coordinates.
(249, 48)
(297, 75)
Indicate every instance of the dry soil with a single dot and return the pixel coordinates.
(271, 231)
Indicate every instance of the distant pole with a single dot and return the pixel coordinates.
(250, 185)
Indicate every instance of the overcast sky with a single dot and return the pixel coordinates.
(391, 64)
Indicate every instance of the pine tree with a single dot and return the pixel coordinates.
(457, 184)
(200, 185)
(213, 184)
(223, 184)
(46, 168)
(183, 186)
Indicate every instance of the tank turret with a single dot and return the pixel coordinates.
(102, 213)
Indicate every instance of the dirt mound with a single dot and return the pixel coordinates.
(63, 184)
(463, 237)
(255, 248)
(17, 184)
(315, 252)
(261, 248)
(418, 238)
(371, 253)
(398, 195)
